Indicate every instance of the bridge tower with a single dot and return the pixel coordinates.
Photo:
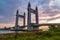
(16, 24)
(30, 10)
(17, 18)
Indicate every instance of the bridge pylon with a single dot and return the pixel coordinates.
(17, 18)
(30, 10)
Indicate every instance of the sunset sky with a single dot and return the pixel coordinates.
(49, 11)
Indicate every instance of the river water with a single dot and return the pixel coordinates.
(6, 31)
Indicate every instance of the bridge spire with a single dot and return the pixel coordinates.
(36, 8)
(29, 4)
(17, 13)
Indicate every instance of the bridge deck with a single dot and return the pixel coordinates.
(46, 24)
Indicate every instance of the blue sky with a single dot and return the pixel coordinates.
(47, 9)
(7, 9)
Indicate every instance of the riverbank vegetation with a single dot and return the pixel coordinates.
(52, 34)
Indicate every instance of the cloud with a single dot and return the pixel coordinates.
(47, 9)
(46, 12)
(9, 24)
(7, 9)
(54, 21)
(55, 4)
(44, 1)
(1, 17)
(55, 17)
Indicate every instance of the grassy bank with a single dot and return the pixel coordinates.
(47, 35)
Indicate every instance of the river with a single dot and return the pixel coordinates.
(6, 31)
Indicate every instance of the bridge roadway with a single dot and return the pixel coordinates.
(45, 24)
(33, 25)
(36, 25)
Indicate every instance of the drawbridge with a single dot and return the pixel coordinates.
(29, 24)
